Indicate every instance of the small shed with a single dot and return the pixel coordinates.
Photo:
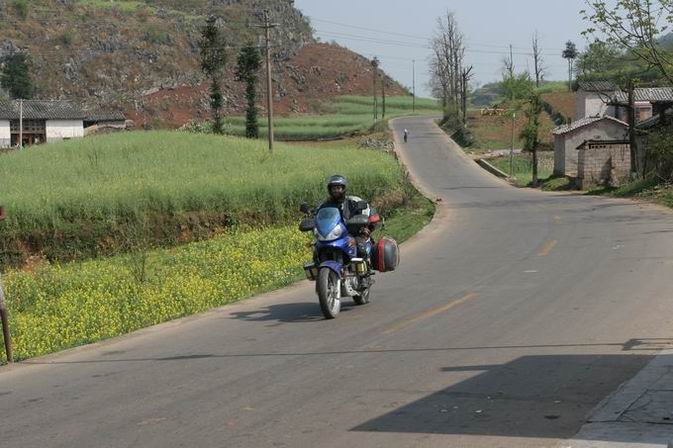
(568, 137)
(603, 163)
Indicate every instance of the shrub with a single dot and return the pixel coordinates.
(21, 8)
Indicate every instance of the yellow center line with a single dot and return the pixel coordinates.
(548, 247)
(428, 314)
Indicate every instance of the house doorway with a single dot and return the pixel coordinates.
(34, 132)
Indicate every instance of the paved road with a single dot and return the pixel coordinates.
(511, 317)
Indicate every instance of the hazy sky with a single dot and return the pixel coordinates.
(489, 27)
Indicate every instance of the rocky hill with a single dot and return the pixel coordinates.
(142, 56)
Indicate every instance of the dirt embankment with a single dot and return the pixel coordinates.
(302, 84)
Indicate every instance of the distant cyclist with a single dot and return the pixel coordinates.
(406, 136)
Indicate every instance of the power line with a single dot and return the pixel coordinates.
(423, 38)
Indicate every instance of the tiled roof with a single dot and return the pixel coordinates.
(41, 110)
(650, 94)
(654, 120)
(566, 128)
(603, 142)
(597, 86)
(101, 115)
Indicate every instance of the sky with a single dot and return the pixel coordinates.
(398, 31)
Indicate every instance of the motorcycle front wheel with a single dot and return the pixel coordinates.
(327, 287)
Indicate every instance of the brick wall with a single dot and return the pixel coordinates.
(603, 164)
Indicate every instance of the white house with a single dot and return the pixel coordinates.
(43, 122)
(592, 99)
(568, 138)
(600, 98)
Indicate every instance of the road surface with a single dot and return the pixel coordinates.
(511, 316)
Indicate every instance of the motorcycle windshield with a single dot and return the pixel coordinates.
(326, 220)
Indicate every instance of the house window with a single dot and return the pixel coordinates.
(29, 126)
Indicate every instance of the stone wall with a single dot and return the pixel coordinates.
(565, 146)
(603, 164)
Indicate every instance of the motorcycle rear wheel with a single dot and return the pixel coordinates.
(363, 298)
(327, 287)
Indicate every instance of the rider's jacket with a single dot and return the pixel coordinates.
(347, 207)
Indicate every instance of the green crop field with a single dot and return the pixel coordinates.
(345, 115)
(93, 196)
(124, 195)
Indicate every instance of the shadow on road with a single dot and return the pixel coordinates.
(289, 312)
(532, 396)
(644, 345)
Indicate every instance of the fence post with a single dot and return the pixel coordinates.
(5, 326)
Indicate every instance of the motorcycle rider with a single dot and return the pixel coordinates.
(337, 186)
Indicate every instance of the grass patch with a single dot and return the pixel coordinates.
(101, 195)
(552, 87)
(344, 116)
(523, 167)
(495, 132)
(553, 183)
(55, 307)
(120, 5)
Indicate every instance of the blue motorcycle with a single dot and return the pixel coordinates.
(336, 268)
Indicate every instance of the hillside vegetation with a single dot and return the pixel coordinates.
(143, 56)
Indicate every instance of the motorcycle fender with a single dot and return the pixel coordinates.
(333, 266)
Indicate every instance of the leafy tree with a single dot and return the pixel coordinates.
(598, 58)
(213, 60)
(247, 68)
(570, 53)
(15, 76)
(635, 26)
(531, 131)
(516, 86)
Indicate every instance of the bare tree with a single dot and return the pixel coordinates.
(538, 62)
(447, 64)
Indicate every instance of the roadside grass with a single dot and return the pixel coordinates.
(105, 195)
(553, 183)
(344, 116)
(650, 189)
(495, 132)
(54, 307)
(523, 167)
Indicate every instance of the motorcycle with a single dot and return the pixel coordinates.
(336, 268)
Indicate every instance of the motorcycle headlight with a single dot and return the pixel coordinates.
(334, 234)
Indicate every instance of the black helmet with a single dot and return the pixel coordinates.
(337, 180)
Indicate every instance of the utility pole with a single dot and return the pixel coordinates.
(21, 124)
(269, 85)
(383, 97)
(511, 151)
(632, 126)
(413, 77)
(375, 66)
(4, 318)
